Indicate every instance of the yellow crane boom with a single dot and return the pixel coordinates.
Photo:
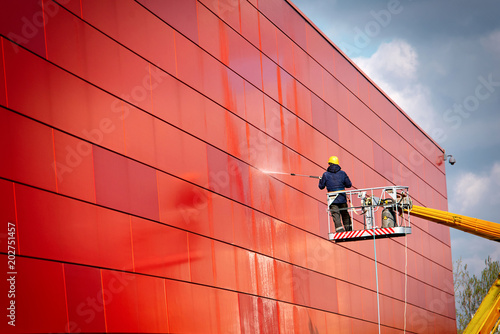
(479, 227)
(487, 316)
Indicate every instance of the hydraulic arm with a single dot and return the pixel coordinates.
(487, 315)
(482, 228)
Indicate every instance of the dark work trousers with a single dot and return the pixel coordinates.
(337, 211)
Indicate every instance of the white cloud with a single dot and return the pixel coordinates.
(476, 193)
(396, 59)
(394, 68)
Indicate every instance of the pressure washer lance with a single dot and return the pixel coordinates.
(292, 174)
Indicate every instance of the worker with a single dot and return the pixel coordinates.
(336, 179)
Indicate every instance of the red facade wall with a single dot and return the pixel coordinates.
(133, 135)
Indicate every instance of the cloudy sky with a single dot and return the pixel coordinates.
(440, 62)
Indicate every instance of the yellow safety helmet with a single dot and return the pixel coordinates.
(333, 160)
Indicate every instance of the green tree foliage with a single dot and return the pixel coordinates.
(470, 289)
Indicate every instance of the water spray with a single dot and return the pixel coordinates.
(292, 174)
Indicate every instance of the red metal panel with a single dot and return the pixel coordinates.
(24, 24)
(383, 162)
(284, 277)
(160, 250)
(364, 119)
(166, 95)
(125, 185)
(261, 188)
(183, 204)
(323, 292)
(391, 141)
(242, 218)
(270, 82)
(335, 94)
(356, 142)
(74, 167)
(85, 298)
(301, 66)
(325, 119)
(181, 16)
(244, 59)
(248, 313)
(218, 170)
(213, 6)
(268, 315)
(301, 286)
(303, 100)
(276, 205)
(38, 282)
(266, 276)
(288, 91)
(225, 265)
(191, 154)
(63, 229)
(221, 219)
(229, 11)
(189, 69)
(93, 56)
(285, 18)
(235, 94)
(316, 74)
(285, 316)
(295, 203)
(406, 128)
(94, 115)
(254, 106)
(191, 308)
(73, 6)
(213, 35)
(201, 253)
(280, 237)
(285, 52)
(346, 73)
(263, 227)
(268, 38)
(274, 125)
(142, 299)
(364, 89)
(386, 310)
(228, 320)
(3, 92)
(215, 79)
(245, 271)
(238, 173)
(219, 139)
(27, 150)
(135, 27)
(319, 49)
(249, 23)
(383, 107)
(139, 132)
(236, 135)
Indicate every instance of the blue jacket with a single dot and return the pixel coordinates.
(335, 179)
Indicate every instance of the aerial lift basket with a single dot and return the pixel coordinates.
(385, 213)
